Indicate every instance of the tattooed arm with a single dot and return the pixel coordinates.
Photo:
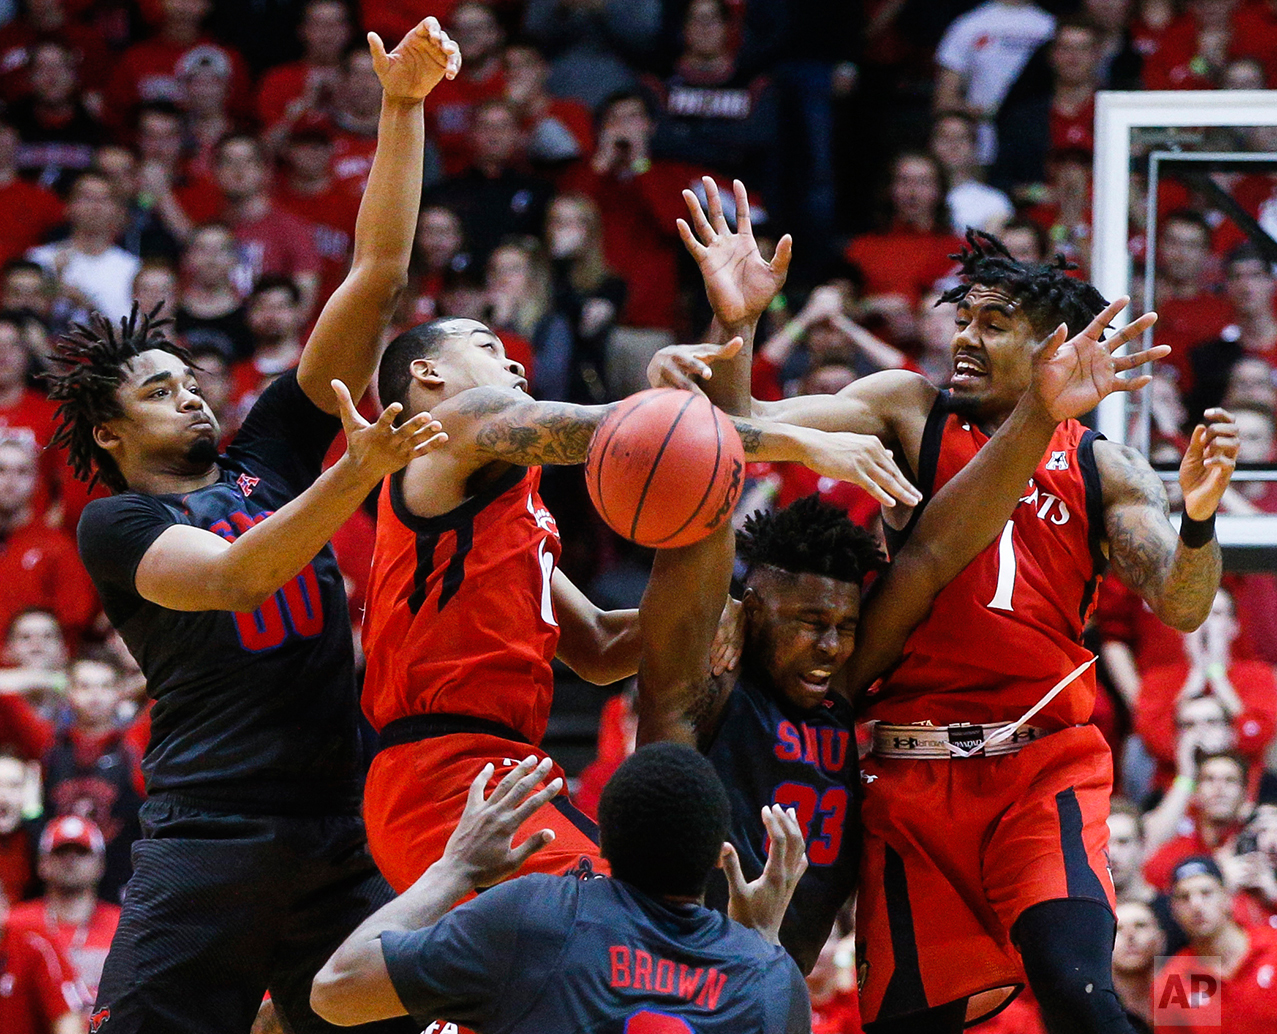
(1178, 582)
(488, 425)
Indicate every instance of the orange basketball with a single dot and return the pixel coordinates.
(665, 468)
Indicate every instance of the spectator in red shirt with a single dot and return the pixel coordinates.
(1220, 948)
(639, 200)
(71, 915)
(48, 19)
(17, 839)
(329, 205)
(40, 992)
(39, 566)
(27, 211)
(1187, 312)
(92, 764)
(452, 106)
(289, 90)
(26, 415)
(558, 130)
(150, 70)
(1139, 942)
(493, 197)
(1075, 58)
(58, 133)
(1246, 690)
(912, 250)
(275, 319)
(1197, 46)
(1217, 799)
(270, 239)
(356, 107)
(1251, 872)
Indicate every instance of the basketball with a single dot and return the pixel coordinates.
(665, 468)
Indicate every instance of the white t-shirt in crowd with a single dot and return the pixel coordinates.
(106, 279)
(978, 205)
(989, 48)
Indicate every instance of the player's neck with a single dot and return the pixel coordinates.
(170, 482)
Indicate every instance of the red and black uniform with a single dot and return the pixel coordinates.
(459, 635)
(956, 850)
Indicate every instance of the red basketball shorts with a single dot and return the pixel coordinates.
(956, 850)
(416, 792)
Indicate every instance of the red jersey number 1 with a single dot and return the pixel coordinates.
(1006, 570)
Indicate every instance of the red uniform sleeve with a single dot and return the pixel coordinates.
(21, 725)
(1155, 713)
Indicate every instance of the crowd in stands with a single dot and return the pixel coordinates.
(208, 159)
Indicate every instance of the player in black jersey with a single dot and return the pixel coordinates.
(216, 571)
(779, 732)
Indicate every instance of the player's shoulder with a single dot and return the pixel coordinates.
(1125, 475)
(102, 514)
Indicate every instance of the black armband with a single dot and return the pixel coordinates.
(1195, 534)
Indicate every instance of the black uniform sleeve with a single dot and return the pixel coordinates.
(481, 965)
(287, 433)
(113, 535)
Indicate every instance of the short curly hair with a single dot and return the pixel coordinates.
(1048, 295)
(91, 362)
(809, 537)
(663, 817)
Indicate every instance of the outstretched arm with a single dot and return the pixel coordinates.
(346, 341)
(602, 646)
(1177, 578)
(1069, 379)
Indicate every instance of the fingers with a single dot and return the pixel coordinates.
(1096, 327)
(784, 252)
(715, 204)
(787, 846)
(694, 247)
(731, 867)
(350, 417)
(1131, 331)
(378, 50)
(474, 797)
(1121, 363)
(743, 222)
(703, 229)
(1052, 344)
(520, 780)
(531, 846)
(729, 350)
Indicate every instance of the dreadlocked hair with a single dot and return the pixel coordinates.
(1047, 293)
(809, 537)
(91, 361)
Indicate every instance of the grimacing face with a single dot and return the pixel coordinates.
(471, 356)
(801, 629)
(992, 352)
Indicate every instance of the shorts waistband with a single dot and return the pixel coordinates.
(414, 727)
(931, 742)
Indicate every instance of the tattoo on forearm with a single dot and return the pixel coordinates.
(531, 432)
(751, 435)
(1179, 583)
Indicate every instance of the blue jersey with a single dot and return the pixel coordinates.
(255, 711)
(549, 954)
(768, 752)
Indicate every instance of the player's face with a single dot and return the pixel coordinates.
(474, 357)
(166, 422)
(991, 353)
(1139, 938)
(1200, 905)
(1126, 849)
(801, 631)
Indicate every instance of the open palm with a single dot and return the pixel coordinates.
(1071, 377)
(739, 282)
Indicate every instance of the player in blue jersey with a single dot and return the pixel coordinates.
(216, 572)
(635, 954)
(780, 731)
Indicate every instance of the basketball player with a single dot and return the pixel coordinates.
(979, 869)
(215, 570)
(466, 608)
(775, 731)
(637, 954)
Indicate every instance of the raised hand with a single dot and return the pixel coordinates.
(861, 459)
(1071, 377)
(685, 366)
(761, 905)
(414, 68)
(382, 448)
(739, 283)
(480, 847)
(1209, 463)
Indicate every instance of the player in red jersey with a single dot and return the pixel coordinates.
(466, 607)
(984, 813)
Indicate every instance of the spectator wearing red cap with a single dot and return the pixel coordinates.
(71, 915)
(1240, 963)
(93, 764)
(39, 566)
(39, 993)
(17, 838)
